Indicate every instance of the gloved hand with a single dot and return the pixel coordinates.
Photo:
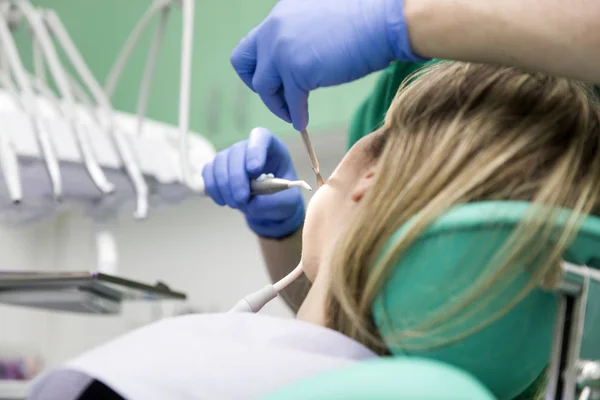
(306, 44)
(227, 180)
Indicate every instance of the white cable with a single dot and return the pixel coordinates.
(289, 278)
(123, 146)
(185, 82)
(115, 72)
(57, 29)
(63, 84)
(254, 302)
(146, 83)
(30, 106)
(185, 76)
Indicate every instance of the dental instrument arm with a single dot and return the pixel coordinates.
(255, 301)
(41, 35)
(270, 185)
(29, 104)
(104, 114)
(552, 36)
(281, 257)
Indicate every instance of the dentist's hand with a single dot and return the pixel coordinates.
(227, 180)
(306, 44)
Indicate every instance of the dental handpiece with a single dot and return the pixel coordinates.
(267, 184)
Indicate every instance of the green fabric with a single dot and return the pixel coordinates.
(388, 379)
(371, 112)
(507, 356)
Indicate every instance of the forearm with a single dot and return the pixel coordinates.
(560, 37)
(281, 256)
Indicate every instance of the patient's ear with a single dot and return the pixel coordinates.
(364, 184)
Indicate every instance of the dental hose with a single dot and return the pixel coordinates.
(254, 302)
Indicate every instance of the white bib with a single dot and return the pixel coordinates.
(209, 356)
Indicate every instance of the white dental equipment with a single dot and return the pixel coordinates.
(92, 155)
(268, 184)
(74, 147)
(255, 301)
(76, 131)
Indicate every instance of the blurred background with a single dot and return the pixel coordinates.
(198, 247)
(223, 109)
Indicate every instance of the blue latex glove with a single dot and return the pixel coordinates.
(306, 44)
(227, 180)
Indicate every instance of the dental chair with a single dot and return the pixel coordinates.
(547, 332)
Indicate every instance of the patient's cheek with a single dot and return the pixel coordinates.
(316, 230)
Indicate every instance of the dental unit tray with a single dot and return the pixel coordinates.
(81, 292)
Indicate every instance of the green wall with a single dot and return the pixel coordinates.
(222, 108)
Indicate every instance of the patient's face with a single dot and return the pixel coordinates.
(334, 204)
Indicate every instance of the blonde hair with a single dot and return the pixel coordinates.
(462, 133)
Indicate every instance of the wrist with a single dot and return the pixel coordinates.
(398, 15)
(278, 229)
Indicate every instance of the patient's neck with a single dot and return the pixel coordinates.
(313, 307)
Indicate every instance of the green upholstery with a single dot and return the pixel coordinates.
(388, 379)
(506, 356)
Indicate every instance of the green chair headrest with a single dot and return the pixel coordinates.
(508, 355)
(388, 379)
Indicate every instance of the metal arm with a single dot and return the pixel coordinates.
(41, 35)
(566, 375)
(29, 104)
(8, 157)
(187, 37)
(124, 148)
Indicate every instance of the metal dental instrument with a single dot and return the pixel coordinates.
(9, 162)
(62, 82)
(270, 185)
(29, 104)
(103, 115)
(313, 157)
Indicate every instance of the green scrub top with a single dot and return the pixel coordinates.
(369, 117)
(370, 114)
